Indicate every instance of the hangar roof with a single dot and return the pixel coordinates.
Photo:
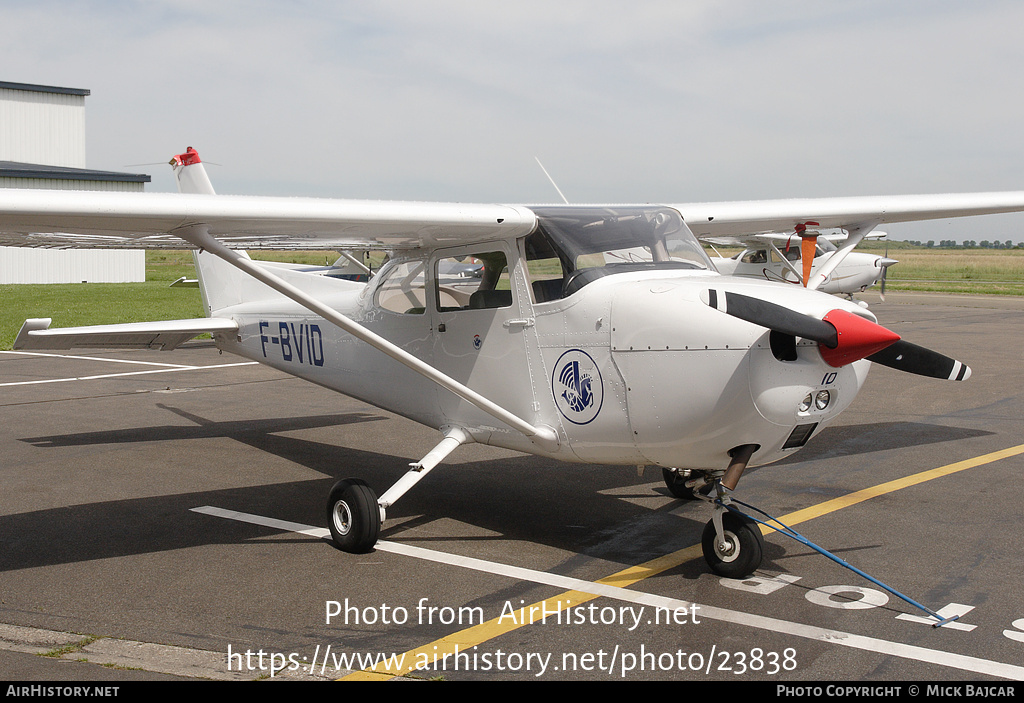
(15, 169)
(44, 88)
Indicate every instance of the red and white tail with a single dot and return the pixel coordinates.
(190, 173)
(221, 284)
(224, 286)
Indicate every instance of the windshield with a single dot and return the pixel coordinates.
(586, 243)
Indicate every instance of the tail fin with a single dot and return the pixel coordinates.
(221, 284)
(190, 173)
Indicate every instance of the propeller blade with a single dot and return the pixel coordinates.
(904, 356)
(885, 262)
(842, 337)
(774, 317)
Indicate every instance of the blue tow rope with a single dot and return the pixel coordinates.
(790, 532)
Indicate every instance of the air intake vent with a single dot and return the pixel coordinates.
(799, 436)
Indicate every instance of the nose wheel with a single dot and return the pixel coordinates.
(735, 547)
(732, 542)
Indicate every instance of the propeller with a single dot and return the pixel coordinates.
(842, 337)
(885, 262)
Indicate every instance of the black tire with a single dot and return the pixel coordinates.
(676, 484)
(747, 546)
(353, 516)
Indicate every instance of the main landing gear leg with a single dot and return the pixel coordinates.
(354, 513)
(732, 543)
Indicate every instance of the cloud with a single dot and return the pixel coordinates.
(451, 100)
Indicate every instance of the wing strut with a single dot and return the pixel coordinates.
(199, 236)
(786, 262)
(854, 237)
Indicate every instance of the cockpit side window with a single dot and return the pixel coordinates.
(402, 287)
(546, 270)
(476, 281)
(793, 253)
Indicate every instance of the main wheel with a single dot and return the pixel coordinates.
(742, 551)
(676, 484)
(353, 516)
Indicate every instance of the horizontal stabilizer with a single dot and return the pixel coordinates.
(185, 282)
(164, 335)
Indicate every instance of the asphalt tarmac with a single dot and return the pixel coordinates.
(137, 538)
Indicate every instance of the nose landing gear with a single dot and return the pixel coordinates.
(732, 543)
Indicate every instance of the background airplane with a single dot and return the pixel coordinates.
(776, 257)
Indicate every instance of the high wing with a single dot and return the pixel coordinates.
(857, 215)
(207, 221)
(220, 224)
(152, 220)
(765, 239)
(739, 218)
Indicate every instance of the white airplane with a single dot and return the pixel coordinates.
(551, 350)
(775, 257)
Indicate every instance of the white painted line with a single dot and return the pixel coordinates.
(320, 532)
(95, 358)
(127, 373)
(845, 639)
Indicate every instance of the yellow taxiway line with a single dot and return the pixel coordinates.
(478, 634)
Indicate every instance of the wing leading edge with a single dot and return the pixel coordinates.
(149, 220)
(766, 216)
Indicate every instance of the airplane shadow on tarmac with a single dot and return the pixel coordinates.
(565, 505)
(845, 440)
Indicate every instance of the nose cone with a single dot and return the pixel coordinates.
(857, 338)
(884, 262)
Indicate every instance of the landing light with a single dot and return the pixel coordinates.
(819, 400)
(822, 399)
(806, 404)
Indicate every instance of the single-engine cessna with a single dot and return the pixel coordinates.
(552, 347)
(776, 257)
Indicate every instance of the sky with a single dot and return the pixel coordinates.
(643, 101)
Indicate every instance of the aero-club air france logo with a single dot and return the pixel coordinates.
(577, 387)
